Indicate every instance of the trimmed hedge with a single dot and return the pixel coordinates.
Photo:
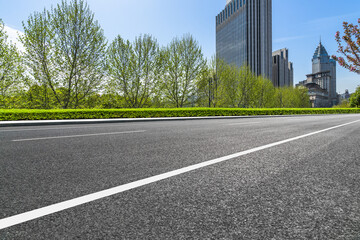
(27, 114)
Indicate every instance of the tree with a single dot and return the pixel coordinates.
(303, 97)
(183, 64)
(11, 69)
(135, 69)
(228, 76)
(239, 87)
(264, 93)
(80, 50)
(290, 97)
(65, 49)
(355, 98)
(39, 56)
(349, 46)
(247, 87)
(208, 84)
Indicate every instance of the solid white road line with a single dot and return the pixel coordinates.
(37, 213)
(74, 136)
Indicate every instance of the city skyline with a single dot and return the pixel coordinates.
(297, 26)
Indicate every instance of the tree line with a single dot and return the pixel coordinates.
(68, 63)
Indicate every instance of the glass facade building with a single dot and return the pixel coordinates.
(244, 35)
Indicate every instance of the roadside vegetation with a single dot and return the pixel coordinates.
(68, 64)
(58, 114)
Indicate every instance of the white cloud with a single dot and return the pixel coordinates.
(13, 37)
(327, 20)
(286, 39)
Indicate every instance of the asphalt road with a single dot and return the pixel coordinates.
(307, 188)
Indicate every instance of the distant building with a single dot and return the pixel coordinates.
(317, 85)
(346, 95)
(324, 76)
(282, 69)
(244, 35)
(321, 62)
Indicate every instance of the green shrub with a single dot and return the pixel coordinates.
(28, 114)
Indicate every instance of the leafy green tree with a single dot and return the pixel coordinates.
(135, 69)
(65, 50)
(247, 87)
(239, 87)
(228, 75)
(355, 98)
(343, 104)
(11, 69)
(38, 97)
(264, 93)
(39, 56)
(289, 97)
(111, 101)
(183, 64)
(303, 97)
(80, 47)
(208, 84)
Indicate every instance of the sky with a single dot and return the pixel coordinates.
(297, 25)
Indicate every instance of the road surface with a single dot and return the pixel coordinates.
(292, 177)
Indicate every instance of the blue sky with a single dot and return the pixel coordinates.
(297, 25)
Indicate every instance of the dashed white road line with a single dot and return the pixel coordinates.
(75, 136)
(58, 128)
(37, 213)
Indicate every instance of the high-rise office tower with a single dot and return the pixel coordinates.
(244, 35)
(321, 62)
(283, 73)
(322, 81)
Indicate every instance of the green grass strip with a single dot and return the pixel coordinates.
(59, 114)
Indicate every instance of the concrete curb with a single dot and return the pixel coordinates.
(122, 120)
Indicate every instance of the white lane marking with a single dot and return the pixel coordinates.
(74, 136)
(42, 129)
(247, 123)
(37, 213)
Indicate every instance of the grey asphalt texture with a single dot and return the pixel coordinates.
(305, 189)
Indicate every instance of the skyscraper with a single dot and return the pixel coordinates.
(322, 82)
(321, 62)
(244, 35)
(283, 73)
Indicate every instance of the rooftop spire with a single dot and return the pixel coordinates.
(320, 51)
